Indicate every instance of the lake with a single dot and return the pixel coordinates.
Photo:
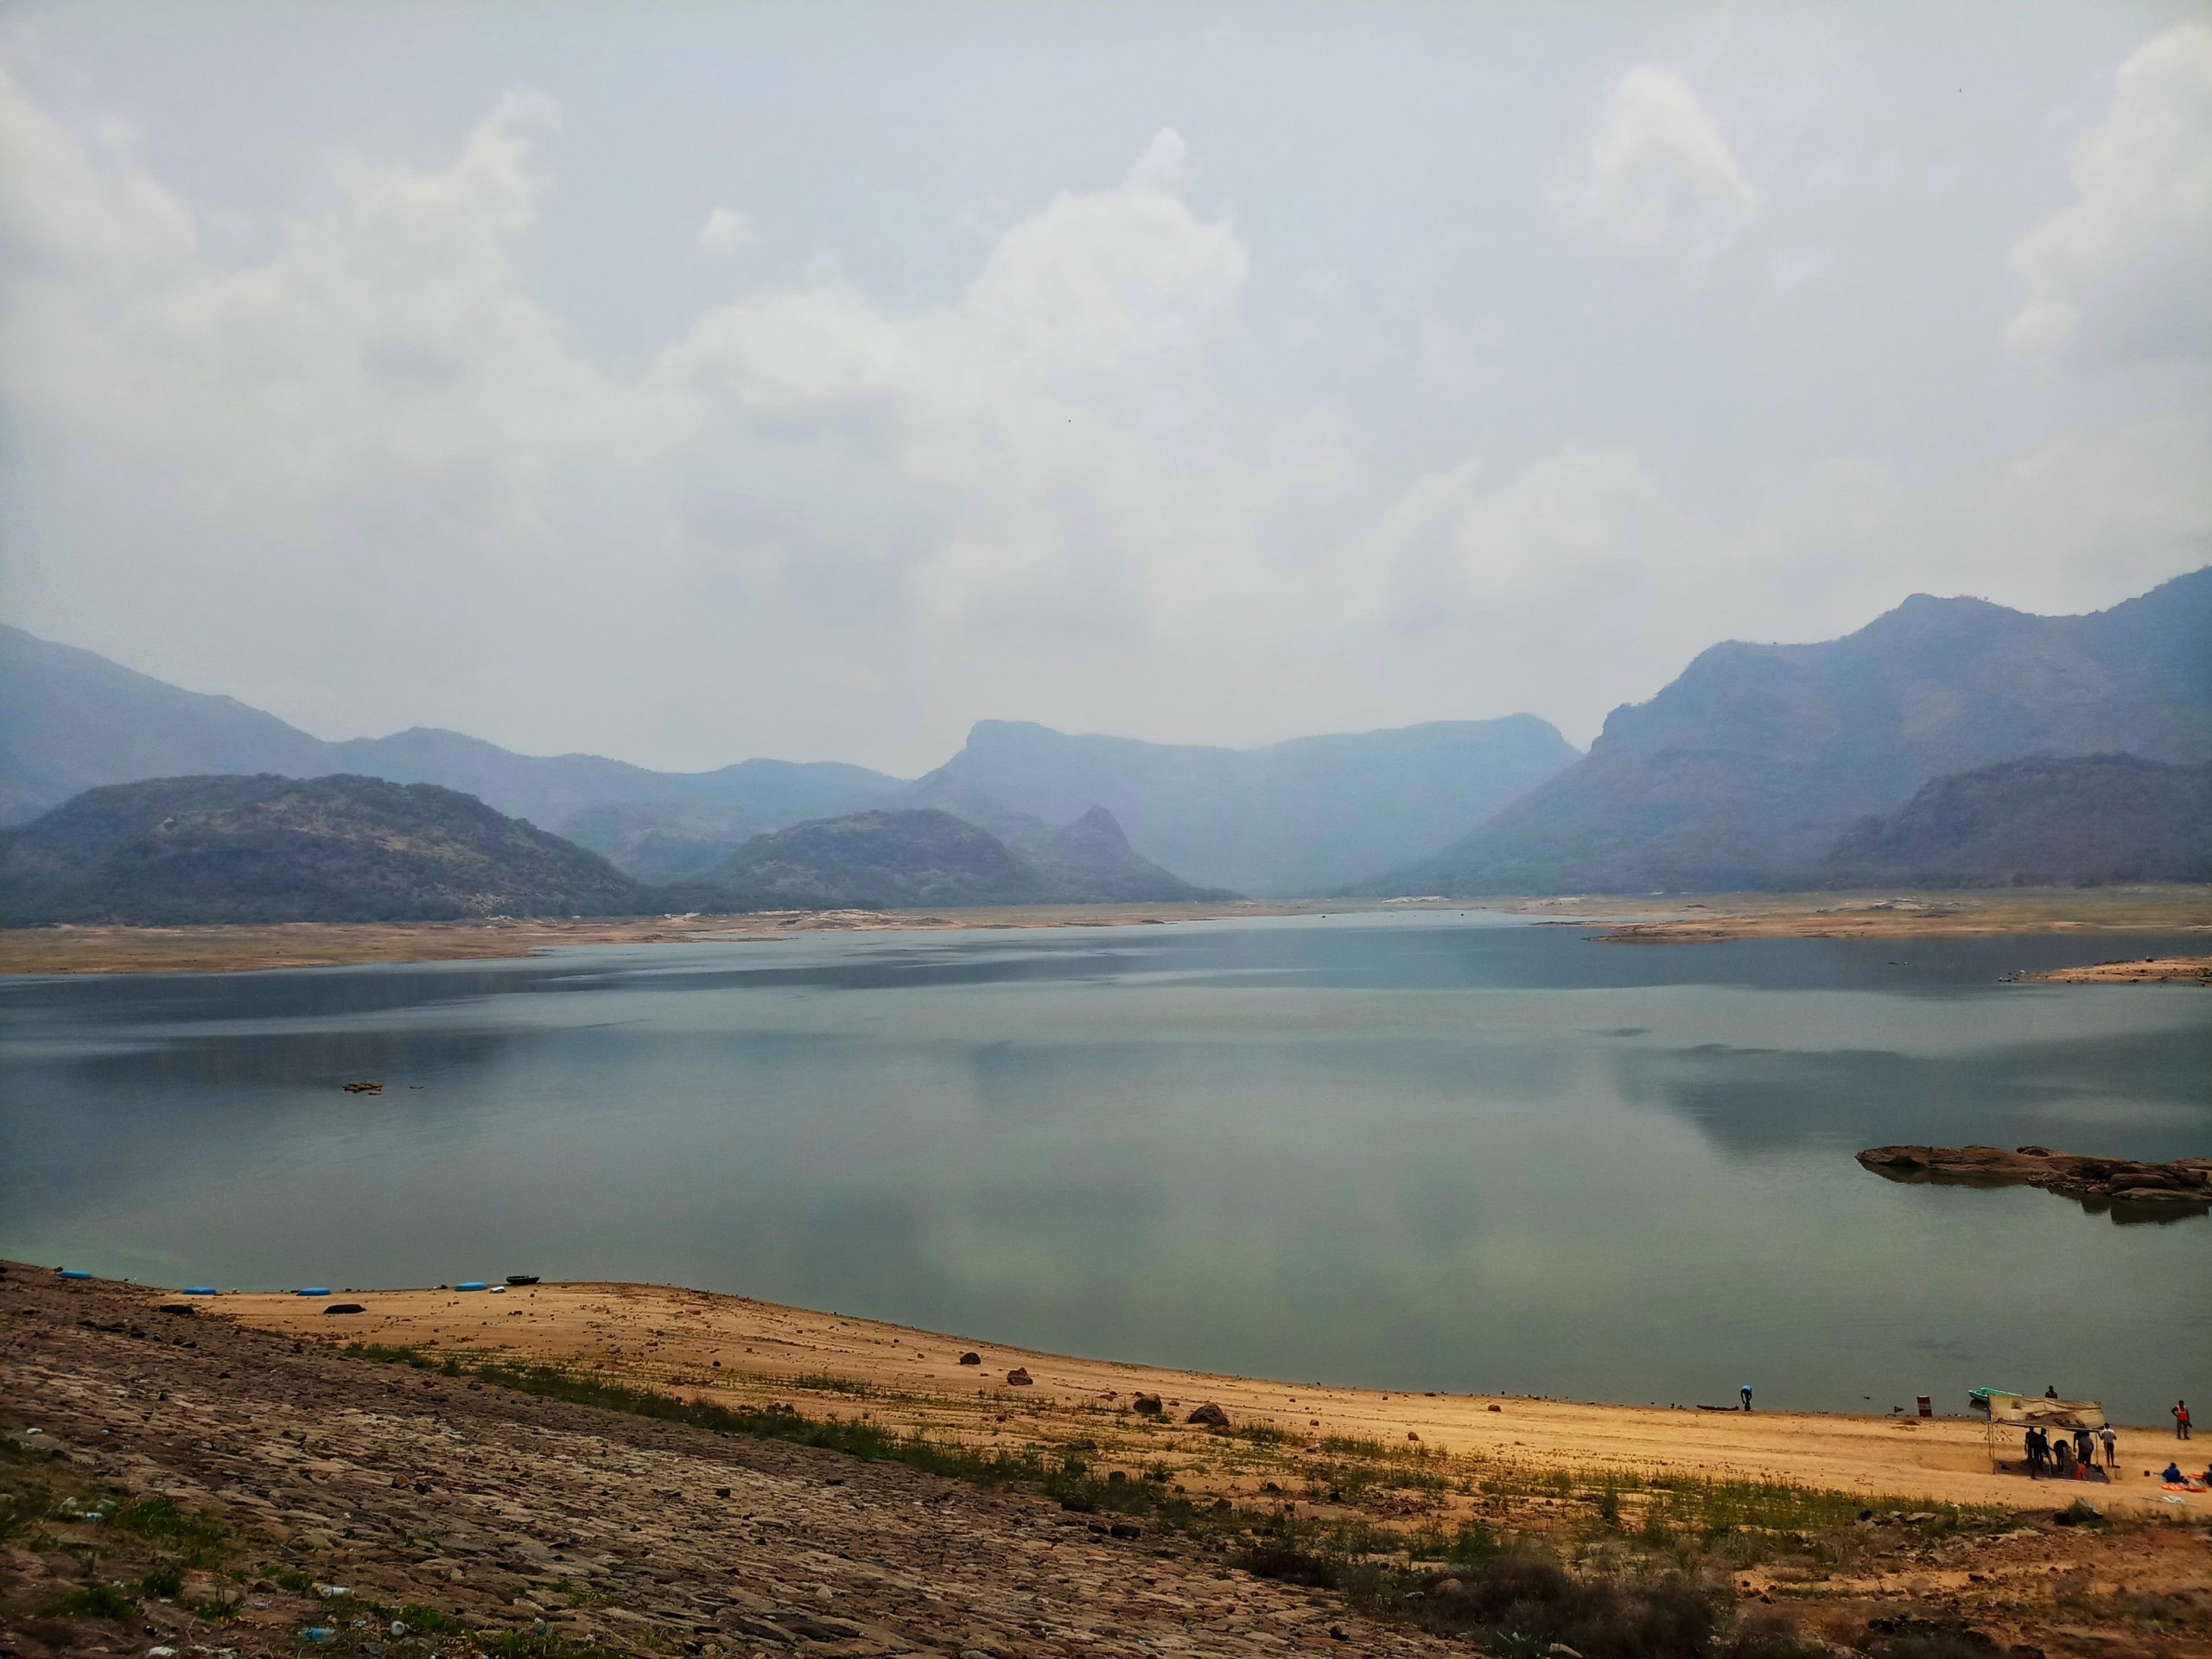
(1413, 1150)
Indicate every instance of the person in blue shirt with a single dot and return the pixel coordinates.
(1747, 1396)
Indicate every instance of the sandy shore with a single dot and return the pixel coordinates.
(2150, 970)
(1717, 918)
(1674, 919)
(326, 944)
(741, 1351)
(319, 1492)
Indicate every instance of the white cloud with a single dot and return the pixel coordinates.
(1656, 174)
(1582, 574)
(2126, 270)
(725, 231)
(384, 350)
(829, 521)
(1057, 412)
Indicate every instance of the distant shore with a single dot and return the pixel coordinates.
(248, 948)
(1656, 919)
(1712, 918)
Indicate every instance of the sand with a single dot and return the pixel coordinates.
(732, 1348)
(326, 944)
(1718, 917)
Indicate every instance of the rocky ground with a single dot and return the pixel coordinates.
(266, 1471)
(501, 1512)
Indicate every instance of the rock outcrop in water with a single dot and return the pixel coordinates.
(2185, 1181)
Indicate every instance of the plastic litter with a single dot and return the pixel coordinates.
(74, 1273)
(398, 1628)
(318, 1633)
(314, 1290)
(473, 1284)
(498, 1290)
(160, 1653)
(331, 1592)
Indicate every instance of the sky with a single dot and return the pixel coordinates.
(690, 383)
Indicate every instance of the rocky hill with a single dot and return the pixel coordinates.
(177, 851)
(2044, 821)
(926, 857)
(1292, 817)
(71, 720)
(1745, 770)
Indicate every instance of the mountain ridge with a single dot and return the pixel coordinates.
(1749, 764)
(263, 848)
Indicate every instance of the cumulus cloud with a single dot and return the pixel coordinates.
(726, 230)
(1058, 412)
(1656, 174)
(385, 348)
(2124, 271)
(816, 523)
(1583, 573)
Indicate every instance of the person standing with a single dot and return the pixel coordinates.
(1747, 1392)
(2180, 1420)
(2112, 1448)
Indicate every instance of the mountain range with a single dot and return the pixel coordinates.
(1759, 766)
(2041, 820)
(1747, 769)
(1300, 815)
(922, 856)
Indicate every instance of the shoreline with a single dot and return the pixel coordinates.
(261, 947)
(1888, 914)
(743, 1353)
(1668, 919)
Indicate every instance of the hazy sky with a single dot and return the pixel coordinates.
(684, 383)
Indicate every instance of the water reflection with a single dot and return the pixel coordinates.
(1413, 1152)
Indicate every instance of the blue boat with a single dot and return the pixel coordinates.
(74, 1273)
(199, 1290)
(473, 1284)
(314, 1290)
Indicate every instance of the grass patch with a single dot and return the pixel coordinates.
(1067, 1480)
(91, 1601)
(164, 1581)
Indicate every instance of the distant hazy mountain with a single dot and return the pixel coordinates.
(175, 851)
(926, 857)
(2044, 821)
(71, 720)
(1751, 763)
(1311, 813)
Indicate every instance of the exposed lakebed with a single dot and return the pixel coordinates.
(1417, 1151)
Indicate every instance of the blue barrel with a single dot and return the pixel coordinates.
(473, 1284)
(314, 1290)
(74, 1273)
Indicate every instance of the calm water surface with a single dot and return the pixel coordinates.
(1412, 1151)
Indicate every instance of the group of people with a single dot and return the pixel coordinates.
(2073, 1457)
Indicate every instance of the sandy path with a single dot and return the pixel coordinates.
(729, 1347)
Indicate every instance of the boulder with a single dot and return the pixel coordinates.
(1211, 1415)
(1146, 1405)
(971, 1359)
(1019, 1379)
